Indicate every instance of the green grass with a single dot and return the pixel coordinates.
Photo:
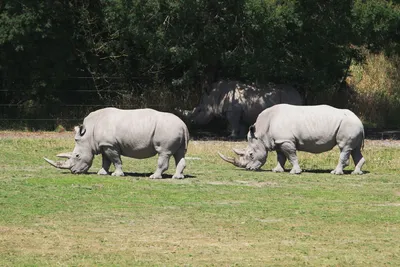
(219, 216)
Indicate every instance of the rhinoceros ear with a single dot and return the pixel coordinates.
(252, 130)
(80, 130)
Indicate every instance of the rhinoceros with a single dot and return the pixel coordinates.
(135, 133)
(240, 103)
(289, 128)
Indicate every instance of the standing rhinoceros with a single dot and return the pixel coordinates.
(240, 104)
(316, 129)
(137, 133)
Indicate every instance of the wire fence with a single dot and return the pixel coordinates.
(22, 113)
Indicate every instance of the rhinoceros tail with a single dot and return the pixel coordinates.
(363, 138)
(186, 132)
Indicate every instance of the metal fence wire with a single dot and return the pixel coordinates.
(26, 114)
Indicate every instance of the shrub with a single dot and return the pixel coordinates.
(376, 87)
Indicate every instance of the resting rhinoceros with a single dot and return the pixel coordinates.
(136, 133)
(240, 104)
(316, 129)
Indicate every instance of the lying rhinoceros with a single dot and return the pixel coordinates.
(140, 133)
(240, 104)
(288, 128)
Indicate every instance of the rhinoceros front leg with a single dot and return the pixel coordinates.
(281, 158)
(233, 116)
(343, 161)
(105, 166)
(289, 150)
(162, 165)
(113, 156)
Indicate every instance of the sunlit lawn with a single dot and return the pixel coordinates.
(219, 216)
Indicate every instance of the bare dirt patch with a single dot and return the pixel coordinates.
(20, 134)
(382, 143)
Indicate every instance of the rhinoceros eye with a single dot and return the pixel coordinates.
(251, 155)
(77, 156)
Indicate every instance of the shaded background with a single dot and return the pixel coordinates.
(59, 60)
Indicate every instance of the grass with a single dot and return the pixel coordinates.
(219, 216)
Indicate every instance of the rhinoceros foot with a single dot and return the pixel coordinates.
(337, 172)
(295, 171)
(178, 176)
(102, 172)
(155, 176)
(118, 173)
(278, 169)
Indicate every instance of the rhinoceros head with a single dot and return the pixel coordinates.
(80, 160)
(204, 112)
(251, 158)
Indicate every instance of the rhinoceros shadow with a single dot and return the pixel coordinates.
(316, 171)
(327, 171)
(147, 175)
(137, 174)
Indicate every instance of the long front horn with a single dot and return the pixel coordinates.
(230, 160)
(58, 164)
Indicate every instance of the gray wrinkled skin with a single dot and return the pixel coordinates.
(240, 104)
(288, 128)
(140, 133)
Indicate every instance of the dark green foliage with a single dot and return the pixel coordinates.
(59, 57)
(376, 25)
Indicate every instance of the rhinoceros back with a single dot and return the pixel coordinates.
(314, 129)
(289, 95)
(137, 133)
(255, 99)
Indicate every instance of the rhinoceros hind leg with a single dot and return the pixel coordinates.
(180, 163)
(358, 161)
(281, 158)
(343, 161)
(162, 166)
(289, 150)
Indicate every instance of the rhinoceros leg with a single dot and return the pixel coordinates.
(106, 163)
(162, 165)
(233, 115)
(289, 150)
(343, 161)
(358, 160)
(113, 156)
(281, 158)
(180, 163)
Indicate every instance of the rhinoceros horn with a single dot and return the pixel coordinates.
(66, 155)
(59, 164)
(230, 160)
(239, 152)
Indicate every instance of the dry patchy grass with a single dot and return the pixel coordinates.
(220, 215)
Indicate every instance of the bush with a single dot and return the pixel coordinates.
(376, 87)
